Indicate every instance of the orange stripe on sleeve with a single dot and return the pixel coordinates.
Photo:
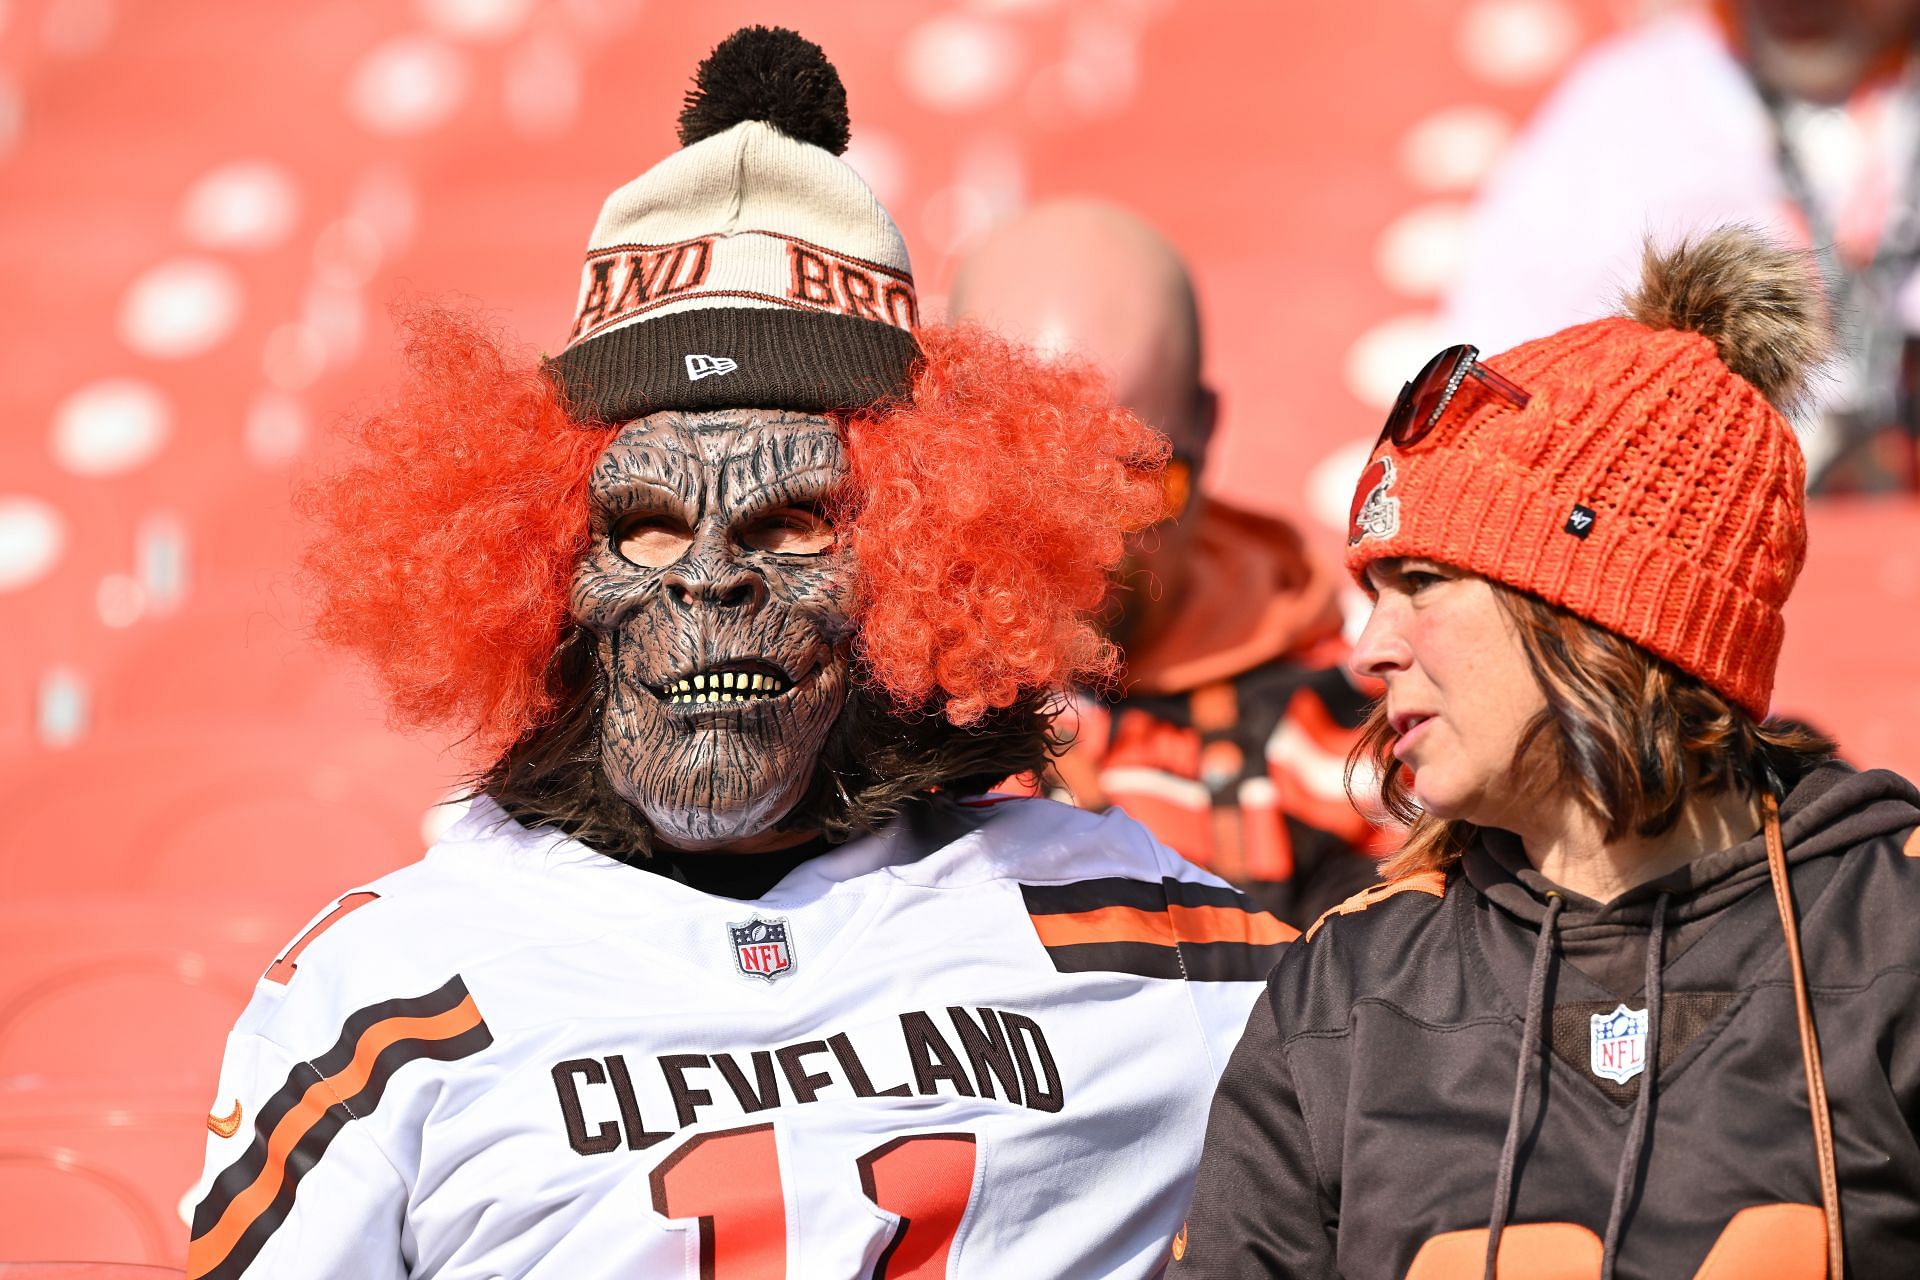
(210, 1250)
(1107, 924)
(1229, 924)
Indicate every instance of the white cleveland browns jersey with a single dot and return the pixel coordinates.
(982, 1051)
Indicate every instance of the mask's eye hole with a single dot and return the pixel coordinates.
(652, 542)
(790, 531)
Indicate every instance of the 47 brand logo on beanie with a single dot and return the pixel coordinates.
(755, 239)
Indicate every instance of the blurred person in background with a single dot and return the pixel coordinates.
(1229, 731)
(1638, 999)
(1798, 116)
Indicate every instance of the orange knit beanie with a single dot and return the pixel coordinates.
(1652, 484)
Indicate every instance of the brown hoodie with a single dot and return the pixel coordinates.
(1358, 1130)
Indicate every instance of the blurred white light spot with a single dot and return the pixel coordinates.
(408, 85)
(180, 309)
(1330, 483)
(598, 16)
(73, 28)
(1383, 358)
(120, 599)
(294, 356)
(1454, 149)
(276, 429)
(991, 183)
(439, 820)
(476, 19)
(383, 202)
(31, 538)
(1422, 252)
(160, 560)
(1836, 146)
(247, 205)
(542, 88)
(110, 426)
(339, 318)
(877, 158)
(347, 253)
(61, 707)
(1907, 302)
(6, 12)
(1514, 42)
(958, 62)
(13, 116)
(1101, 68)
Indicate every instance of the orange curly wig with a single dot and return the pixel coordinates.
(987, 514)
(992, 509)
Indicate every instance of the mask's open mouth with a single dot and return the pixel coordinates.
(742, 681)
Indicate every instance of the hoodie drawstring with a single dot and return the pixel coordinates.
(1627, 1176)
(1809, 1039)
(1529, 1052)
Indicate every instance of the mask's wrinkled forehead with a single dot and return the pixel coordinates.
(724, 461)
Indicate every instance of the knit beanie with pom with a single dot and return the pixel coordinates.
(1652, 483)
(752, 268)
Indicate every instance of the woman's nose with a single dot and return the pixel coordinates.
(1381, 647)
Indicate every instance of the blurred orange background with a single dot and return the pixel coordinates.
(207, 210)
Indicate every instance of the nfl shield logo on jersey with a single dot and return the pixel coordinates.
(762, 948)
(1617, 1046)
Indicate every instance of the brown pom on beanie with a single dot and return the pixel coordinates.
(1761, 306)
(1652, 484)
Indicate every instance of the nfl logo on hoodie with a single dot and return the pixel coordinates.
(1617, 1045)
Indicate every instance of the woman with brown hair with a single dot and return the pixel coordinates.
(1638, 996)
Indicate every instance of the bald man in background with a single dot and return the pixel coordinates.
(1230, 735)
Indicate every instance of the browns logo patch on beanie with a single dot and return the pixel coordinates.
(1652, 483)
(751, 269)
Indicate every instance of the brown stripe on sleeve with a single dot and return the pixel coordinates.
(1229, 961)
(1092, 895)
(1140, 959)
(251, 1199)
(1155, 929)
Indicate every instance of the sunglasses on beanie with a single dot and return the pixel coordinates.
(1424, 401)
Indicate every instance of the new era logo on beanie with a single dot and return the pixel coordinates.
(754, 239)
(699, 367)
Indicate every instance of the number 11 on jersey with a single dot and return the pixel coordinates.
(729, 1183)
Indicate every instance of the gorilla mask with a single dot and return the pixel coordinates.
(720, 600)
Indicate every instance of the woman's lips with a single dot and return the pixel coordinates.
(1407, 727)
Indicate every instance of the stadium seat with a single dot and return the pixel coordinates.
(140, 1020)
(98, 1175)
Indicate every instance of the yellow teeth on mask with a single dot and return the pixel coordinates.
(721, 686)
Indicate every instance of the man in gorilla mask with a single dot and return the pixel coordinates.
(742, 603)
